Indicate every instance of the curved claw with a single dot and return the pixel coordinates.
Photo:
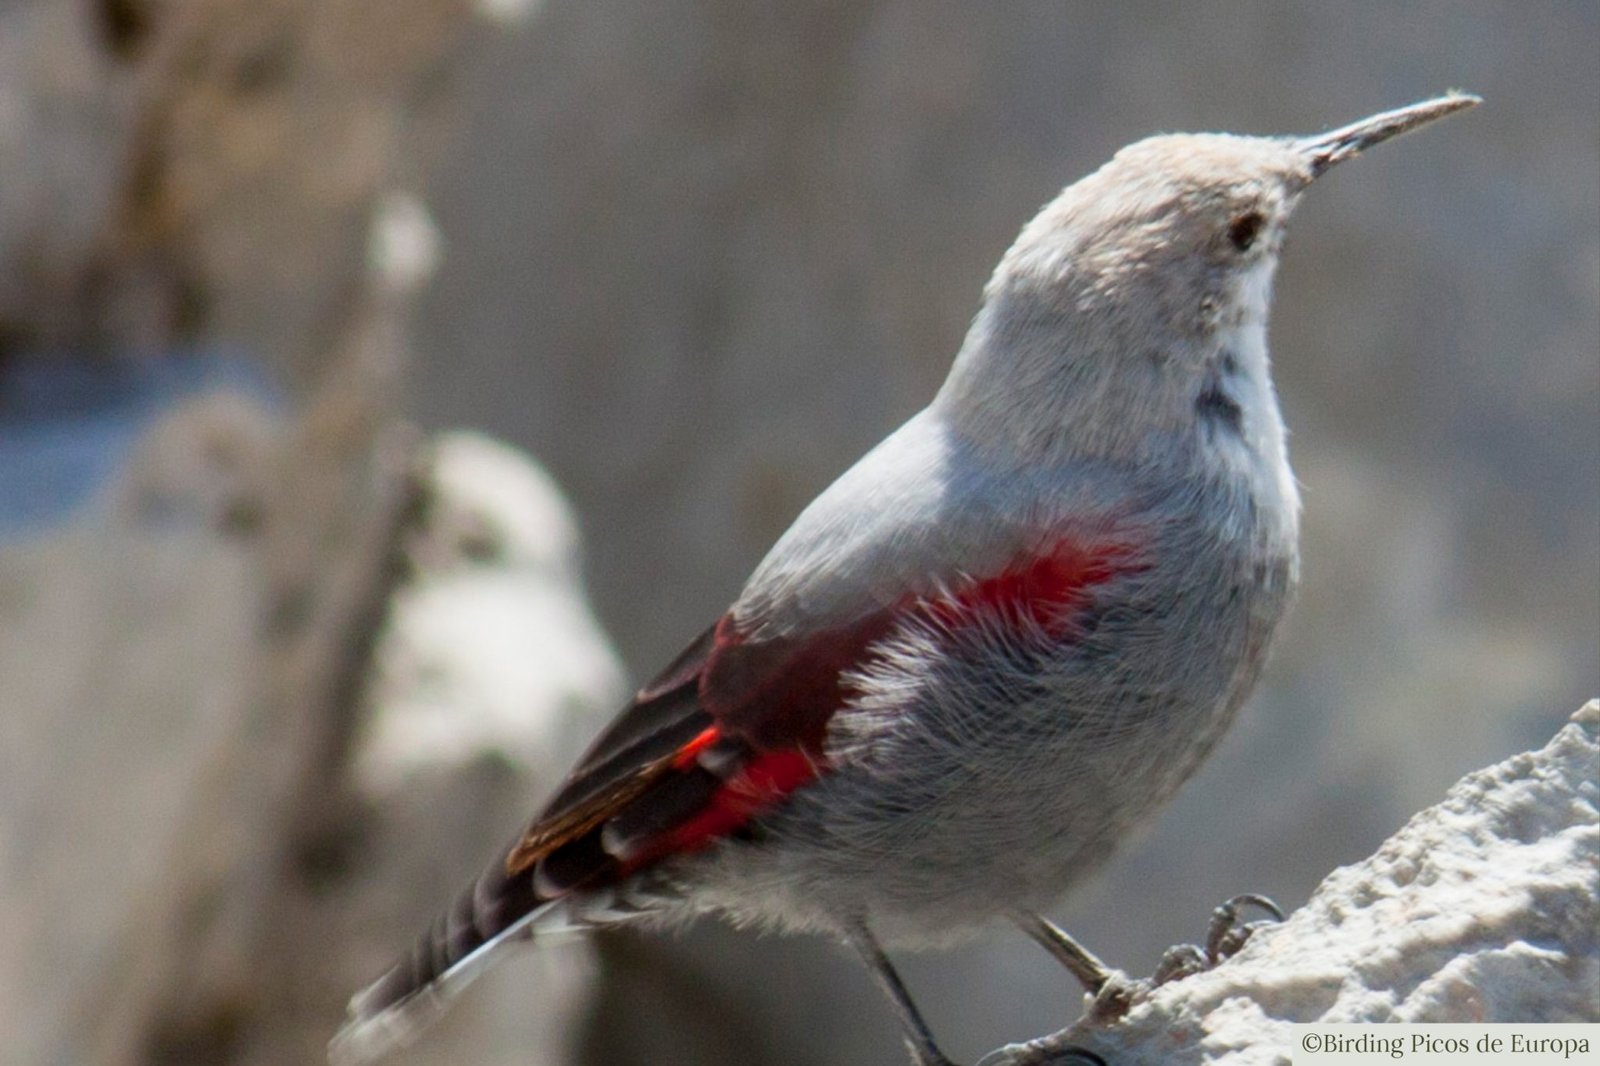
(1225, 936)
(1178, 962)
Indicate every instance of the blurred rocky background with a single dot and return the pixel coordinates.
(282, 660)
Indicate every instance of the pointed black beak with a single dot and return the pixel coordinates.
(1326, 149)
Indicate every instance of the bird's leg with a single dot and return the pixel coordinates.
(918, 1037)
(1111, 991)
(1090, 971)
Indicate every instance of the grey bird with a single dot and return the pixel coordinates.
(990, 650)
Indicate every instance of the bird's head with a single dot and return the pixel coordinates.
(1119, 308)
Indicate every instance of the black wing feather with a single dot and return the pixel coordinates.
(634, 749)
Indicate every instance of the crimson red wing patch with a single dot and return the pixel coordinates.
(735, 725)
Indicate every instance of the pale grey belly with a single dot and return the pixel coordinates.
(996, 778)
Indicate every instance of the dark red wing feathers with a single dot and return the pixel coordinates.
(746, 699)
(643, 743)
(780, 693)
(756, 713)
(762, 782)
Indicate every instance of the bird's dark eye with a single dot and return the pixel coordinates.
(1243, 231)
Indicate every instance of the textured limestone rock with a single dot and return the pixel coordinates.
(123, 644)
(1484, 908)
(488, 673)
(188, 181)
(489, 645)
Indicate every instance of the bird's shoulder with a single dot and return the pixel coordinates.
(924, 512)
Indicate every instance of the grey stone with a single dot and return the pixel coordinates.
(1483, 908)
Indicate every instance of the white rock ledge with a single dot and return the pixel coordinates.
(1483, 908)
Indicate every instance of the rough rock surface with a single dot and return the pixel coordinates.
(489, 644)
(189, 180)
(488, 675)
(1484, 908)
(124, 643)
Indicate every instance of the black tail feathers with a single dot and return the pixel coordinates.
(460, 944)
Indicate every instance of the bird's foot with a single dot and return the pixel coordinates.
(1114, 997)
(1042, 1052)
(1224, 937)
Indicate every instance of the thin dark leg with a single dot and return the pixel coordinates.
(1079, 961)
(919, 1039)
